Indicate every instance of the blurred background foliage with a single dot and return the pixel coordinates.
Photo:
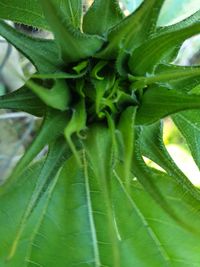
(18, 129)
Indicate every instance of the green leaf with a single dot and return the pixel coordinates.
(59, 75)
(74, 44)
(57, 96)
(126, 134)
(189, 125)
(109, 12)
(145, 176)
(46, 135)
(159, 102)
(180, 25)
(76, 124)
(152, 146)
(172, 249)
(78, 231)
(23, 100)
(32, 205)
(102, 86)
(71, 11)
(135, 231)
(24, 11)
(195, 90)
(176, 10)
(133, 30)
(63, 219)
(184, 83)
(42, 53)
(159, 49)
(165, 74)
(99, 151)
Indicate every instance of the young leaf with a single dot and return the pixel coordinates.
(159, 49)
(159, 102)
(75, 125)
(102, 85)
(126, 131)
(74, 44)
(133, 30)
(57, 97)
(23, 100)
(42, 53)
(109, 12)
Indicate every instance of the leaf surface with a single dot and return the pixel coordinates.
(24, 11)
(160, 49)
(57, 96)
(71, 11)
(33, 204)
(133, 30)
(74, 45)
(167, 74)
(42, 53)
(23, 100)
(42, 139)
(160, 102)
(152, 146)
(189, 125)
(66, 224)
(109, 12)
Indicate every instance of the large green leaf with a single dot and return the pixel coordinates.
(63, 221)
(32, 206)
(160, 49)
(74, 44)
(24, 11)
(98, 156)
(31, 13)
(109, 12)
(133, 30)
(42, 53)
(159, 102)
(152, 146)
(179, 248)
(188, 123)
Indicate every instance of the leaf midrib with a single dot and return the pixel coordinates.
(145, 223)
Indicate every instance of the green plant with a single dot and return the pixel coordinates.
(103, 87)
